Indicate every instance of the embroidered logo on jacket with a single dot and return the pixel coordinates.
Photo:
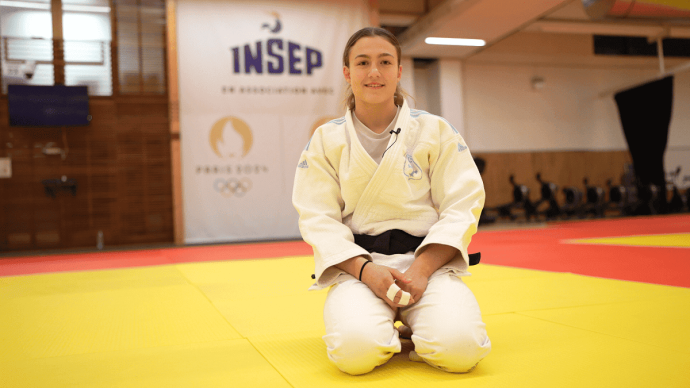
(461, 147)
(303, 164)
(411, 168)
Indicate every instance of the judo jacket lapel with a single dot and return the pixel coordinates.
(391, 162)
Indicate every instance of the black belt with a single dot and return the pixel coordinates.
(397, 241)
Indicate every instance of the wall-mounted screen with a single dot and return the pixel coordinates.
(48, 106)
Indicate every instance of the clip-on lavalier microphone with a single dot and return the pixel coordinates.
(396, 132)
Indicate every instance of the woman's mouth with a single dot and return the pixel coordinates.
(375, 86)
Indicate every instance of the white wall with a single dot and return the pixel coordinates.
(504, 113)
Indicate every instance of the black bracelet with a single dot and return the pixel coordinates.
(361, 270)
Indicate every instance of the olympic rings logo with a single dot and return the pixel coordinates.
(232, 187)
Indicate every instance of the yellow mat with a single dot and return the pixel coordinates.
(87, 312)
(678, 240)
(254, 324)
(546, 290)
(658, 322)
(527, 352)
(226, 363)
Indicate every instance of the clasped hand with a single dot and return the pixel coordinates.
(379, 279)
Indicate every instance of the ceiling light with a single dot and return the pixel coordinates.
(455, 42)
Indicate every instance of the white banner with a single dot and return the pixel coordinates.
(255, 79)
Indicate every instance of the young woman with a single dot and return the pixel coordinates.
(389, 198)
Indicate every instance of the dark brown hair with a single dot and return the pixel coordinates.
(370, 32)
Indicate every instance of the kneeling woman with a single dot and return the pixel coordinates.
(389, 198)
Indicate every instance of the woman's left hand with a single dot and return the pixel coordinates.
(433, 257)
(417, 286)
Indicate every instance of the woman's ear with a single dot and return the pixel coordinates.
(399, 72)
(346, 73)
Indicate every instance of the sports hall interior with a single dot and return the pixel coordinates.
(584, 277)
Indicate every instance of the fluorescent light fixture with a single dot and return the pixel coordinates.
(65, 7)
(455, 42)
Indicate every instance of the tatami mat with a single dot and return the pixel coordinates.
(548, 290)
(253, 323)
(527, 352)
(55, 315)
(238, 280)
(224, 363)
(660, 322)
(278, 287)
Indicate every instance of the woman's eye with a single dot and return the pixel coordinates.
(362, 63)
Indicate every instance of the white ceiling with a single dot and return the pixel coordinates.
(495, 20)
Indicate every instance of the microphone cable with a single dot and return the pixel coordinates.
(396, 132)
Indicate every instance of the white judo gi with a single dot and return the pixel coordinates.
(426, 185)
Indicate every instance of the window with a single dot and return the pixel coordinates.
(30, 55)
(629, 45)
(141, 46)
(26, 44)
(87, 34)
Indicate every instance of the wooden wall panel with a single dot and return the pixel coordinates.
(121, 161)
(564, 168)
(122, 166)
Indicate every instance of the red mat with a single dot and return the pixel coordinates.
(148, 257)
(540, 249)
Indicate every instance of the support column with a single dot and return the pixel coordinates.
(374, 13)
(407, 80)
(115, 59)
(58, 43)
(174, 117)
(451, 91)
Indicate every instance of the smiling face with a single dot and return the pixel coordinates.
(373, 72)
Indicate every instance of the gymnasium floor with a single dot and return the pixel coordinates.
(573, 304)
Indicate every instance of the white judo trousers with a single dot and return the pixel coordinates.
(448, 331)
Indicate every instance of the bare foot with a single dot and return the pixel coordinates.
(405, 332)
(415, 357)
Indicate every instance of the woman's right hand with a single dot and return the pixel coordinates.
(379, 279)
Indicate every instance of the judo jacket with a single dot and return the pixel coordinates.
(427, 185)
